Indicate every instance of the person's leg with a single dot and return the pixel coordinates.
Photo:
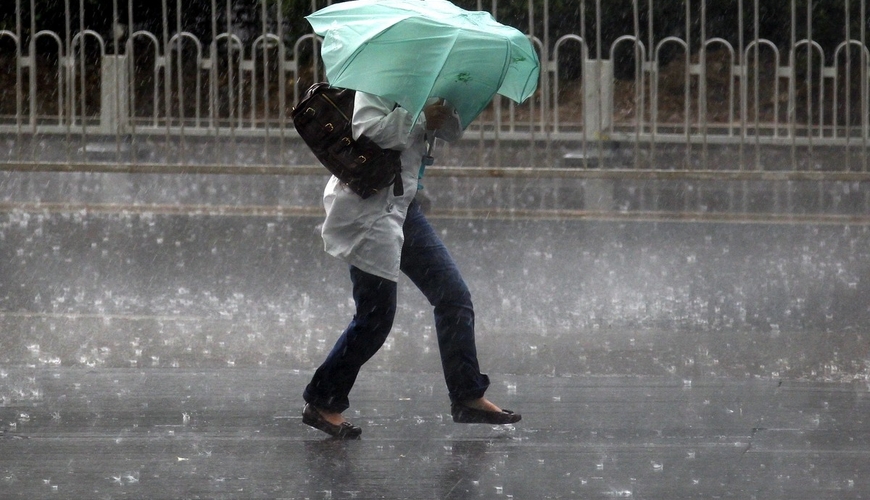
(375, 300)
(426, 261)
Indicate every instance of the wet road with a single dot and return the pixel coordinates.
(237, 433)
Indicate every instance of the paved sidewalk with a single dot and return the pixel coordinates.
(237, 433)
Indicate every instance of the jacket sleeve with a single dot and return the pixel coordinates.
(382, 121)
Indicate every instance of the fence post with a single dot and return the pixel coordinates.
(597, 120)
(597, 97)
(114, 95)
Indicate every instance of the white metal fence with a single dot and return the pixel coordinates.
(709, 97)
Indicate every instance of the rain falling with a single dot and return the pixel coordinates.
(665, 236)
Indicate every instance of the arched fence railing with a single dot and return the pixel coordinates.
(672, 99)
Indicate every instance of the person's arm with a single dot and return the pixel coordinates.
(381, 121)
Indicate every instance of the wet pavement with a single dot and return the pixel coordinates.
(237, 433)
(176, 286)
(156, 334)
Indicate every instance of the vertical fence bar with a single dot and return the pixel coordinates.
(792, 64)
(266, 101)
(792, 102)
(282, 81)
(496, 114)
(130, 52)
(687, 86)
(702, 84)
(654, 86)
(315, 58)
(848, 87)
(19, 133)
(650, 45)
(31, 47)
(213, 97)
(545, 83)
(230, 81)
(741, 63)
(835, 82)
(756, 80)
(598, 55)
(213, 105)
(639, 88)
(865, 108)
(69, 64)
(481, 123)
(119, 124)
(251, 68)
(542, 79)
(83, 76)
(809, 85)
(584, 139)
(167, 79)
(864, 83)
(179, 78)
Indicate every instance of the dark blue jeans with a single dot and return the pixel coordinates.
(428, 264)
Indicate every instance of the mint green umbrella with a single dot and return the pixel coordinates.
(411, 50)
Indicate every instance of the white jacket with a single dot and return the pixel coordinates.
(368, 233)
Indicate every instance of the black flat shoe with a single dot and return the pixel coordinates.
(346, 430)
(464, 415)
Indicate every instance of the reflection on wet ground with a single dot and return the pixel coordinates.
(237, 433)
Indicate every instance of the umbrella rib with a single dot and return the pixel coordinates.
(506, 66)
(442, 63)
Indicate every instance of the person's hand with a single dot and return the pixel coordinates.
(437, 115)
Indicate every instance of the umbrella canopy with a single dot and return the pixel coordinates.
(411, 50)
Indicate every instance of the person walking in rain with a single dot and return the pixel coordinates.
(379, 237)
